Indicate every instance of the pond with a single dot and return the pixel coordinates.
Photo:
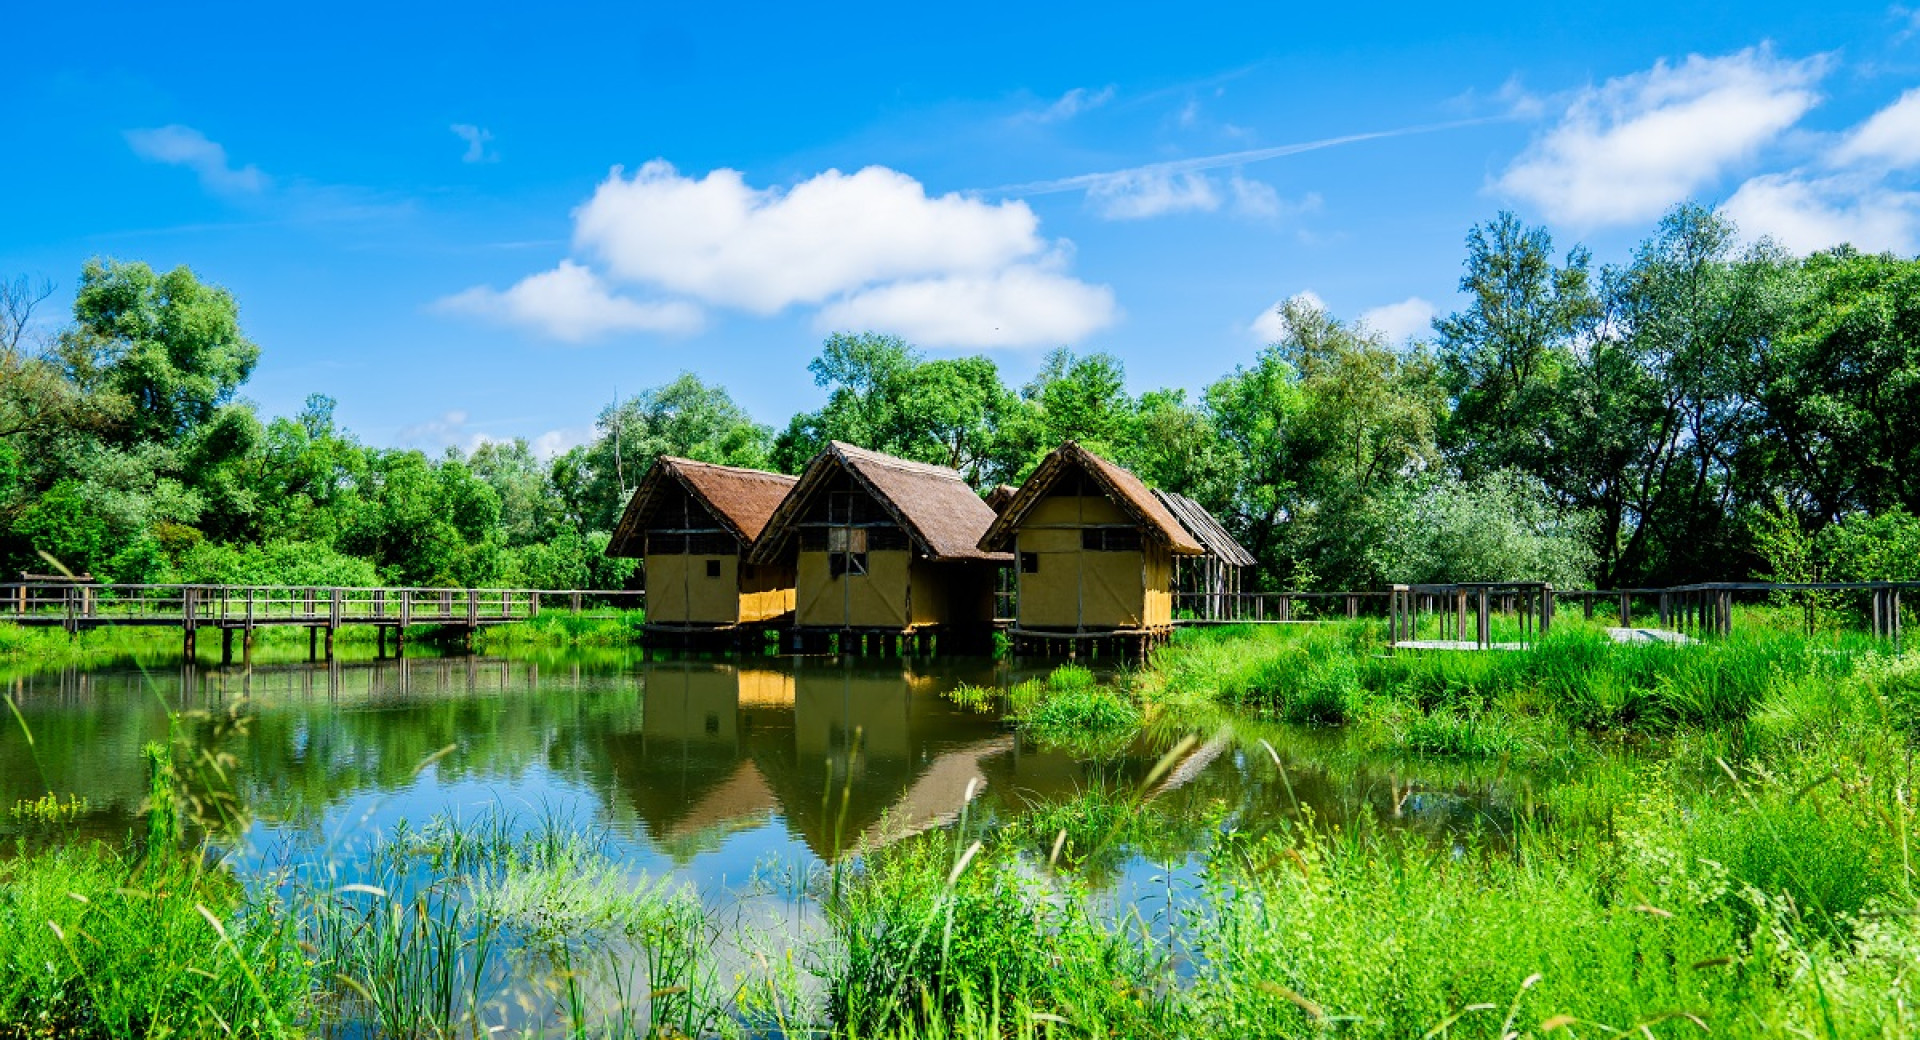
(742, 777)
(706, 767)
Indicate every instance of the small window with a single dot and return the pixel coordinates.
(713, 568)
(1110, 539)
(846, 563)
(1029, 563)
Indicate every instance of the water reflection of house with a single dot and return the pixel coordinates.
(687, 772)
(846, 753)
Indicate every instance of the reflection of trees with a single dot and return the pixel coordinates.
(697, 749)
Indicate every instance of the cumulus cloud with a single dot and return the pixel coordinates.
(1400, 322)
(723, 242)
(1025, 305)
(1629, 149)
(873, 249)
(1805, 214)
(178, 145)
(1890, 137)
(570, 303)
(1271, 326)
(479, 143)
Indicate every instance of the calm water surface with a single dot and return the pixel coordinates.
(741, 777)
(709, 769)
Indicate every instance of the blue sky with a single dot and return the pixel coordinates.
(481, 221)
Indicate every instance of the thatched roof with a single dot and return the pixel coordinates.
(932, 504)
(740, 500)
(1204, 528)
(1121, 486)
(1001, 494)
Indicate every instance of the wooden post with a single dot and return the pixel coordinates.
(1485, 631)
(1626, 610)
(1546, 611)
(313, 642)
(226, 646)
(330, 642)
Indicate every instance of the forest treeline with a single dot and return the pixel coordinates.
(1706, 411)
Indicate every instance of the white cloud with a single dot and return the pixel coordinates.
(1271, 327)
(1072, 103)
(559, 442)
(1890, 137)
(872, 249)
(1138, 194)
(1634, 146)
(1255, 198)
(1022, 306)
(178, 145)
(722, 242)
(479, 140)
(570, 303)
(1411, 318)
(1805, 214)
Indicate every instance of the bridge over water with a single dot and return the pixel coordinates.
(77, 606)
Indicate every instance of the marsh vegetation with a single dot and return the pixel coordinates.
(1262, 832)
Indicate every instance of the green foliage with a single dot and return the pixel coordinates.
(930, 934)
(1503, 526)
(167, 344)
(274, 563)
(96, 943)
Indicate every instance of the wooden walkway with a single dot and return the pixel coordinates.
(80, 606)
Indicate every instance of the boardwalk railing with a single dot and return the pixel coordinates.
(1707, 607)
(1228, 607)
(77, 605)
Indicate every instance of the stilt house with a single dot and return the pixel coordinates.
(1209, 585)
(694, 524)
(1095, 549)
(884, 545)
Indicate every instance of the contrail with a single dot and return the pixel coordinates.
(1214, 162)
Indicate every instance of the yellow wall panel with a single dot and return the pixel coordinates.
(1074, 509)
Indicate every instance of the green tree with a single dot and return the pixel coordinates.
(169, 344)
(686, 418)
(883, 395)
(1840, 390)
(1327, 420)
(1503, 357)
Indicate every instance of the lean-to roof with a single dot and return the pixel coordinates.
(1120, 485)
(1204, 528)
(933, 504)
(740, 500)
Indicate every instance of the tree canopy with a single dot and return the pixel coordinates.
(1706, 410)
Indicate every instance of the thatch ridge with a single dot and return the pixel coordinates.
(740, 500)
(1205, 529)
(933, 504)
(1126, 490)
